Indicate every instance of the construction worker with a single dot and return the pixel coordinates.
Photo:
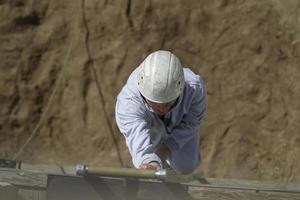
(159, 112)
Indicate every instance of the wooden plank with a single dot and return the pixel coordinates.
(32, 182)
(213, 194)
(7, 191)
(246, 185)
(49, 169)
(200, 182)
(41, 168)
(23, 179)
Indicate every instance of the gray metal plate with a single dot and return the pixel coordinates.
(96, 188)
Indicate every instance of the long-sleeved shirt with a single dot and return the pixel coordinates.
(144, 130)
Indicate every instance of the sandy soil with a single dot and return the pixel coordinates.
(64, 62)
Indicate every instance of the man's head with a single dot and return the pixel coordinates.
(161, 80)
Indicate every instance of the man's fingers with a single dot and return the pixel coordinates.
(149, 166)
(143, 167)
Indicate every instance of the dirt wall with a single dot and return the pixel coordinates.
(64, 62)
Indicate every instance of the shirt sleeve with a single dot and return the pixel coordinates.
(189, 126)
(134, 125)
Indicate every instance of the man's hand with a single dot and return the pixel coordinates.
(162, 152)
(151, 166)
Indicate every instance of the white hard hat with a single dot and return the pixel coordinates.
(161, 77)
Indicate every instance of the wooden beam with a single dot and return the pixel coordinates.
(32, 178)
(23, 179)
(235, 184)
(49, 169)
(213, 194)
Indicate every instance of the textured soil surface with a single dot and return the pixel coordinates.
(63, 63)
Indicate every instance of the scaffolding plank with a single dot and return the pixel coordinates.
(212, 194)
(50, 169)
(23, 179)
(31, 182)
(246, 185)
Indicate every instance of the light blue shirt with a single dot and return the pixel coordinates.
(144, 130)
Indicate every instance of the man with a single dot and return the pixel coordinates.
(159, 112)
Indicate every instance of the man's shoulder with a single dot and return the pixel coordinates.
(130, 96)
(130, 88)
(192, 78)
(132, 79)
